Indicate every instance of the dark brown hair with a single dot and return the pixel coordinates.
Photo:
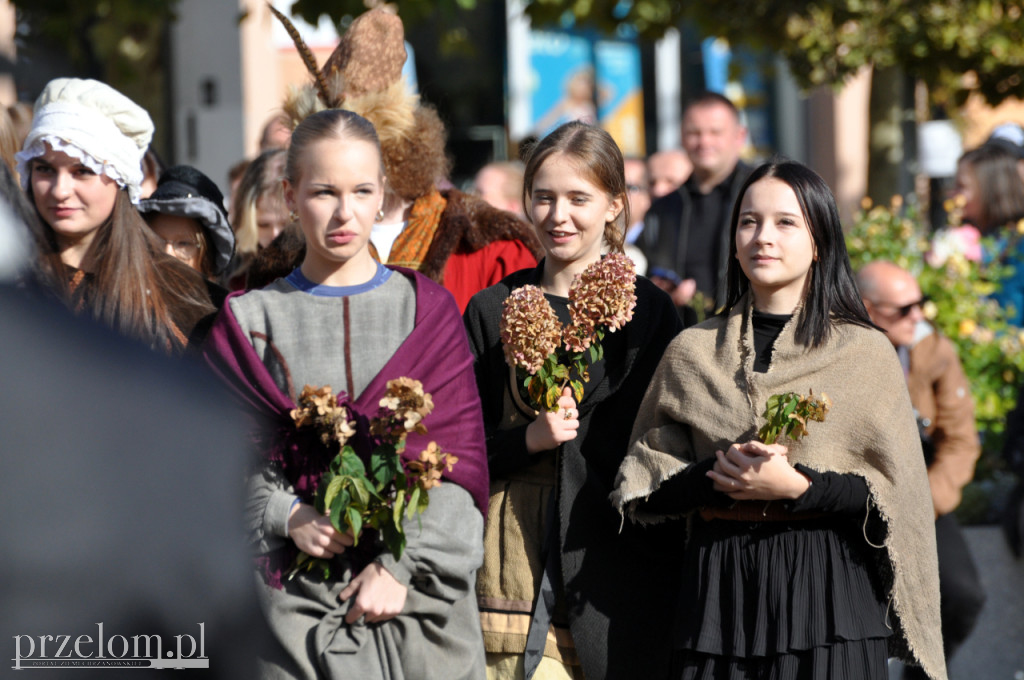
(1000, 184)
(600, 161)
(136, 286)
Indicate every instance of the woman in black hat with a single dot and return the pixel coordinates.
(187, 212)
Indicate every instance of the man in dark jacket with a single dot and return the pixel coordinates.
(691, 225)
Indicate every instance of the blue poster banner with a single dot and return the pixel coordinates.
(575, 76)
(562, 80)
(620, 97)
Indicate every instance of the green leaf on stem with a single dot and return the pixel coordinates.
(414, 501)
(330, 493)
(552, 396)
(337, 511)
(383, 465)
(395, 543)
(577, 390)
(355, 521)
(351, 463)
(398, 507)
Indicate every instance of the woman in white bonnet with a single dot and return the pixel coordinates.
(82, 168)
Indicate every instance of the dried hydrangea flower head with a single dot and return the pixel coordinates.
(402, 410)
(319, 408)
(603, 296)
(530, 329)
(431, 464)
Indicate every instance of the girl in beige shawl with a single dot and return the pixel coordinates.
(812, 559)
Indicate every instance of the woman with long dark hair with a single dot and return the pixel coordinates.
(805, 559)
(81, 166)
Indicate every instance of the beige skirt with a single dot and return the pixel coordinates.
(510, 577)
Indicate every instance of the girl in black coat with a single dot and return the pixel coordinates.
(560, 583)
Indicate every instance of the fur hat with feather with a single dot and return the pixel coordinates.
(364, 75)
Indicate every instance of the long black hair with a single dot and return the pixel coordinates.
(832, 296)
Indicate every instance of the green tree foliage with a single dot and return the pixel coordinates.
(938, 41)
(117, 41)
(824, 41)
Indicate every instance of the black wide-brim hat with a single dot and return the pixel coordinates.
(184, 191)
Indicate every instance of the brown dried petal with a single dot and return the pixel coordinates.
(604, 295)
(530, 330)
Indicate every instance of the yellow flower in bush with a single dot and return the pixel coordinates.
(967, 327)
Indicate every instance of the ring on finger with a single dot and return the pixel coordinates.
(568, 414)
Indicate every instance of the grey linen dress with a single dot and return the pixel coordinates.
(437, 635)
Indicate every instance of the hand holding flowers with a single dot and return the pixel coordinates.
(759, 470)
(354, 495)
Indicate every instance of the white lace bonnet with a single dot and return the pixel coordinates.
(93, 122)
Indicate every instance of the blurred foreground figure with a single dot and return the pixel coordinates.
(119, 490)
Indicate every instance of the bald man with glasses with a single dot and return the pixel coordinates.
(942, 402)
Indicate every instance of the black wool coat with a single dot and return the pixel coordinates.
(618, 577)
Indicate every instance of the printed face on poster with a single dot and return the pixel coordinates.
(576, 77)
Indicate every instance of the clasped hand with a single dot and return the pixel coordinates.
(757, 471)
(378, 595)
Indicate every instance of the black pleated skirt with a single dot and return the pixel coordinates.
(794, 600)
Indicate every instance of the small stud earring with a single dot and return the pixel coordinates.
(380, 215)
(293, 216)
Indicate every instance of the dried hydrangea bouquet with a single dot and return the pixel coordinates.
(601, 300)
(356, 495)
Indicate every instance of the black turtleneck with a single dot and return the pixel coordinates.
(766, 329)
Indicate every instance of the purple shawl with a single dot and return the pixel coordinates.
(436, 353)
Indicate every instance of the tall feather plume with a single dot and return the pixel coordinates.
(307, 58)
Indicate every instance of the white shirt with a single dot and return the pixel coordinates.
(383, 237)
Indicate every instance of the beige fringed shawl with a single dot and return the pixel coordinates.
(705, 395)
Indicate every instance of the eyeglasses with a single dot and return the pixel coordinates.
(902, 311)
(184, 249)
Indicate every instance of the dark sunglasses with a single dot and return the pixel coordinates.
(902, 311)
